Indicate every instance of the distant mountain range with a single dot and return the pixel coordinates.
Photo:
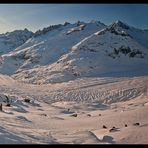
(67, 51)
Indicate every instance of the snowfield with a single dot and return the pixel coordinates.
(81, 83)
(49, 117)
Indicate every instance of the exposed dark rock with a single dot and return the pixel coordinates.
(66, 23)
(27, 100)
(8, 104)
(74, 115)
(125, 125)
(1, 107)
(123, 25)
(136, 124)
(104, 126)
(113, 129)
(89, 115)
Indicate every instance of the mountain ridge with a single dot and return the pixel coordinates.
(56, 53)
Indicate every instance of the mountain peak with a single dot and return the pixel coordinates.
(121, 24)
(26, 30)
(93, 21)
(97, 22)
(117, 28)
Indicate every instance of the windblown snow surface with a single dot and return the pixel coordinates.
(82, 83)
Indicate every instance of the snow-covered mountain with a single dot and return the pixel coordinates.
(139, 35)
(47, 46)
(65, 52)
(10, 40)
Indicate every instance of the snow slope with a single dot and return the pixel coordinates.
(139, 35)
(111, 52)
(65, 52)
(47, 46)
(11, 40)
(49, 116)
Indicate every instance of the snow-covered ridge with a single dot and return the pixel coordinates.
(47, 29)
(10, 40)
(78, 28)
(47, 47)
(65, 52)
(137, 34)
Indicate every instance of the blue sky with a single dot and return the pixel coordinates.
(37, 16)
